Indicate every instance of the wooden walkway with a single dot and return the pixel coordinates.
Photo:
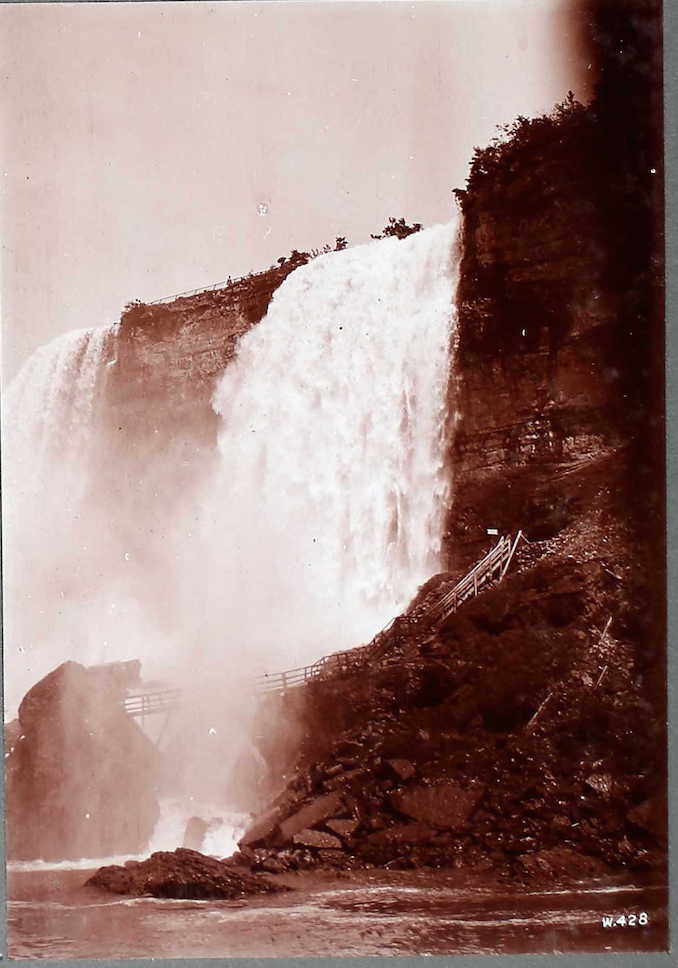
(143, 704)
(423, 618)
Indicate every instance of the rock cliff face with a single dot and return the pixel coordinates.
(558, 328)
(160, 429)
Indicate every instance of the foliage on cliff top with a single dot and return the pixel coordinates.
(137, 312)
(397, 229)
(530, 139)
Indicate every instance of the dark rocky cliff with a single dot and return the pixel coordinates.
(558, 323)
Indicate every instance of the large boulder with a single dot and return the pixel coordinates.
(181, 873)
(80, 777)
(317, 838)
(312, 813)
(447, 805)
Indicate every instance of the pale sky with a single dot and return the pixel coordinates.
(140, 140)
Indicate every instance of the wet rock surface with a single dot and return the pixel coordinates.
(182, 873)
(80, 776)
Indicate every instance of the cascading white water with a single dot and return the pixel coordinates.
(327, 510)
(49, 439)
(49, 411)
(324, 514)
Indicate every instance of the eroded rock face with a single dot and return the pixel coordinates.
(181, 873)
(80, 779)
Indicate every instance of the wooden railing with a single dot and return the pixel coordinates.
(425, 615)
(148, 703)
(491, 568)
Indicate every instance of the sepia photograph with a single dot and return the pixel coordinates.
(333, 478)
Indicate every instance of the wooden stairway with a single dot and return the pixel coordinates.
(421, 620)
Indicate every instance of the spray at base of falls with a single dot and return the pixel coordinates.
(221, 839)
(327, 511)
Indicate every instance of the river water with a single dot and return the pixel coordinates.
(52, 915)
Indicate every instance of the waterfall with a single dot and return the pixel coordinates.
(49, 451)
(323, 516)
(49, 412)
(319, 518)
(327, 509)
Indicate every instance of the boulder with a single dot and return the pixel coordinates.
(312, 813)
(344, 828)
(601, 783)
(403, 769)
(446, 805)
(345, 778)
(181, 873)
(81, 780)
(650, 815)
(316, 838)
(262, 828)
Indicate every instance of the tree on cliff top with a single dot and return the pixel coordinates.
(529, 137)
(397, 228)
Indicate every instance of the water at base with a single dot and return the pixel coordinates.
(363, 913)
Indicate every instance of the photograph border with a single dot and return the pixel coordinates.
(550, 960)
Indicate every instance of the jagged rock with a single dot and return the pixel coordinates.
(406, 833)
(344, 779)
(447, 805)
(403, 769)
(316, 838)
(181, 873)
(601, 783)
(650, 815)
(344, 828)
(319, 809)
(262, 828)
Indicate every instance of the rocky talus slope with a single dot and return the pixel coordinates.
(516, 737)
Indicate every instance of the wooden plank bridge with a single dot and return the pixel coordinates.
(422, 618)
